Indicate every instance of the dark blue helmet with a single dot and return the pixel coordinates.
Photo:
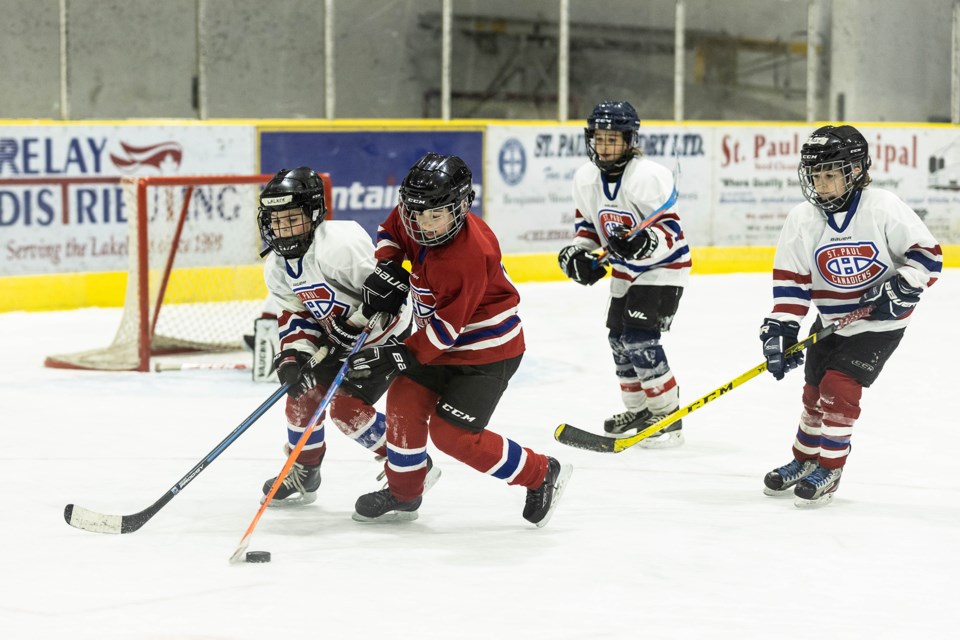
(613, 116)
(830, 148)
(290, 234)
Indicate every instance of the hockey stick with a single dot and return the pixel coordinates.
(190, 366)
(88, 520)
(331, 390)
(574, 437)
(600, 254)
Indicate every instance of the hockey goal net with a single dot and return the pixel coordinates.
(194, 278)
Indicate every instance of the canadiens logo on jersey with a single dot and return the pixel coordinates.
(850, 265)
(610, 219)
(321, 301)
(424, 305)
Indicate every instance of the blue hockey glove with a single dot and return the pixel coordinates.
(579, 265)
(892, 299)
(639, 246)
(777, 337)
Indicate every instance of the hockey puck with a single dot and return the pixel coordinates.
(258, 556)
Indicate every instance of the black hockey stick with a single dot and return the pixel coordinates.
(102, 523)
(574, 437)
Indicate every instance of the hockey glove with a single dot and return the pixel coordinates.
(294, 368)
(385, 289)
(340, 336)
(639, 246)
(893, 299)
(381, 364)
(579, 265)
(777, 337)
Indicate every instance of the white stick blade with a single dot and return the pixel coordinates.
(92, 521)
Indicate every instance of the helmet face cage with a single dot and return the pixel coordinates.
(613, 116)
(840, 149)
(300, 189)
(436, 182)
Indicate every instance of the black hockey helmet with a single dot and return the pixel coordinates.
(436, 181)
(833, 148)
(613, 116)
(291, 189)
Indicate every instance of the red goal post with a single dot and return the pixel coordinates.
(194, 277)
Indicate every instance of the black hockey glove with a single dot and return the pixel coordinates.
(385, 289)
(340, 336)
(639, 246)
(892, 299)
(579, 265)
(382, 363)
(295, 368)
(777, 337)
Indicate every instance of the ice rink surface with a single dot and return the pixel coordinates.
(645, 544)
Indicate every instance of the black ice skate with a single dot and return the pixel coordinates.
(779, 481)
(299, 487)
(620, 423)
(667, 438)
(542, 501)
(383, 506)
(817, 489)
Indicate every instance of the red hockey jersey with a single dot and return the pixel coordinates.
(464, 305)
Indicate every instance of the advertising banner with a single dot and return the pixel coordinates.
(756, 181)
(529, 178)
(367, 167)
(62, 208)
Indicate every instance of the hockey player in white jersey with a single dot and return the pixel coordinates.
(315, 275)
(614, 193)
(848, 246)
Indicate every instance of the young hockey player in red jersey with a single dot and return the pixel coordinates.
(314, 276)
(847, 246)
(614, 192)
(449, 375)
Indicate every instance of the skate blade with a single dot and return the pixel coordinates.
(566, 470)
(663, 441)
(822, 501)
(293, 501)
(782, 493)
(390, 516)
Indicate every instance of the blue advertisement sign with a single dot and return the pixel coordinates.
(367, 167)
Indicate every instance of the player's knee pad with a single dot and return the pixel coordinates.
(409, 406)
(645, 352)
(350, 413)
(300, 410)
(453, 440)
(840, 394)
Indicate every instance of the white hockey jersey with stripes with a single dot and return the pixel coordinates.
(830, 260)
(644, 187)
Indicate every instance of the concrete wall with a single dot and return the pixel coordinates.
(890, 59)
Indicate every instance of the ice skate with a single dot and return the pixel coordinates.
(383, 506)
(817, 489)
(542, 501)
(299, 487)
(782, 479)
(620, 423)
(667, 438)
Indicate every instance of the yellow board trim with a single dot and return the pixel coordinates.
(107, 289)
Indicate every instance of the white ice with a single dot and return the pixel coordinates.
(645, 544)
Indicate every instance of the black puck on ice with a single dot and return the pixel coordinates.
(258, 556)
